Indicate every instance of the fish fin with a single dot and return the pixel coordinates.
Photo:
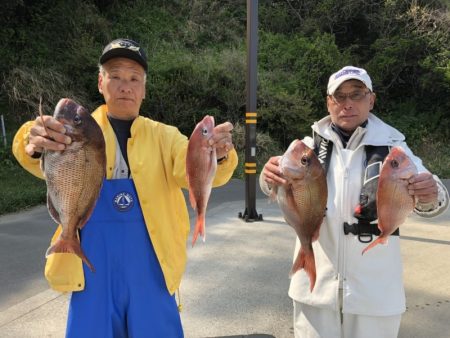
(199, 229)
(305, 260)
(316, 234)
(69, 246)
(192, 200)
(191, 195)
(52, 210)
(85, 218)
(380, 240)
(273, 193)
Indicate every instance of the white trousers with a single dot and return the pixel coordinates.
(314, 322)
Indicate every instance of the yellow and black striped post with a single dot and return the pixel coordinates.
(250, 214)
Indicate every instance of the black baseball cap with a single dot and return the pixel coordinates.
(124, 48)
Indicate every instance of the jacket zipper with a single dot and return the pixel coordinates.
(341, 240)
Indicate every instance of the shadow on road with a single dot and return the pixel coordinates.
(255, 335)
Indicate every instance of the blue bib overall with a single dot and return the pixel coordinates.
(126, 296)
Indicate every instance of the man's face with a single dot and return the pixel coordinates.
(346, 113)
(123, 86)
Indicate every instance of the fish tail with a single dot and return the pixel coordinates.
(69, 246)
(380, 240)
(305, 260)
(199, 228)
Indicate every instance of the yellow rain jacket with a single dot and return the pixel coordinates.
(157, 157)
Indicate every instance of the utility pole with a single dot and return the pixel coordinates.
(250, 214)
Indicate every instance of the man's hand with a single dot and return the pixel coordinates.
(272, 173)
(39, 139)
(424, 188)
(222, 139)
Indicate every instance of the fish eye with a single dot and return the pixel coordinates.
(304, 160)
(394, 164)
(77, 120)
(204, 131)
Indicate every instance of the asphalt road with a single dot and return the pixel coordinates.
(235, 284)
(25, 237)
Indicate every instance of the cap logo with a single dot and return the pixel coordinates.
(123, 201)
(346, 72)
(125, 44)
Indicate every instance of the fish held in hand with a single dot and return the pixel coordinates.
(74, 176)
(201, 166)
(303, 201)
(394, 203)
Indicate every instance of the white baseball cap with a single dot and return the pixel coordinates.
(348, 73)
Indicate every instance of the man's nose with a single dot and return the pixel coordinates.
(125, 87)
(348, 103)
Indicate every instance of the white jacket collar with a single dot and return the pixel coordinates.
(377, 131)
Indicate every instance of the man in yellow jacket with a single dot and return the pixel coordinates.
(142, 249)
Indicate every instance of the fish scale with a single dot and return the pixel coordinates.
(303, 201)
(201, 166)
(394, 203)
(74, 176)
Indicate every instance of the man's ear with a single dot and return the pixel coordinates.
(372, 100)
(329, 102)
(100, 83)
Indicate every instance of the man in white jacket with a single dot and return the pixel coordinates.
(355, 295)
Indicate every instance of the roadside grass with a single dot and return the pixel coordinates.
(19, 189)
(435, 155)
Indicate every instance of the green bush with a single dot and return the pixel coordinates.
(183, 87)
(197, 66)
(266, 147)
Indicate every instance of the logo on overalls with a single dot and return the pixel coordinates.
(123, 201)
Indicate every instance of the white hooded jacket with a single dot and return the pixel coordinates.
(372, 283)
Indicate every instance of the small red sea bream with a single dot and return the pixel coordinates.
(303, 201)
(394, 203)
(201, 166)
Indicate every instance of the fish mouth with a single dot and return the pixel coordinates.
(69, 128)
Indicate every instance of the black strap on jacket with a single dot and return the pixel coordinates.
(323, 148)
(367, 210)
(365, 231)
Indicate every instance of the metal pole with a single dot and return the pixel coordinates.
(250, 214)
(3, 131)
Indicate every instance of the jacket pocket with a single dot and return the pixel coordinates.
(64, 271)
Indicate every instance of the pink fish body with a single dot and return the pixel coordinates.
(201, 166)
(303, 202)
(394, 203)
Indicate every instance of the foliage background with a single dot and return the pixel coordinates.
(197, 63)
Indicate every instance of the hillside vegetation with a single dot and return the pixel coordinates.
(197, 62)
